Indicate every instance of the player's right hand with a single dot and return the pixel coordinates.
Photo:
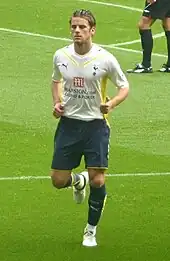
(58, 110)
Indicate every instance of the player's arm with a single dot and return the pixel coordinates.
(56, 89)
(117, 76)
(120, 97)
(115, 101)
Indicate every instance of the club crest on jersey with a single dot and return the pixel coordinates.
(78, 82)
(95, 69)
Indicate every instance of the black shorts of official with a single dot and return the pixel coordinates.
(158, 10)
(75, 138)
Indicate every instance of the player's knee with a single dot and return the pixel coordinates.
(57, 181)
(142, 26)
(98, 180)
(166, 24)
(144, 23)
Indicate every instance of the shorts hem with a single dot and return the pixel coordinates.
(105, 168)
(60, 169)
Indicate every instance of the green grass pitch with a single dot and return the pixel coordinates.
(39, 223)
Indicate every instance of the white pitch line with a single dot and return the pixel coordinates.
(36, 35)
(138, 174)
(24, 178)
(135, 51)
(114, 5)
(136, 41)
(110, 46)
(152, 174)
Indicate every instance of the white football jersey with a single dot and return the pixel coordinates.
(84, 79)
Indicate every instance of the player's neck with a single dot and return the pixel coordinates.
(82, 49)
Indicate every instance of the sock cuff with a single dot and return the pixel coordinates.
(98, 193)
(145, 31)
(167, 33)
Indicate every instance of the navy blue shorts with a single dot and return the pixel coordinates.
(75, 138)
(158, 10)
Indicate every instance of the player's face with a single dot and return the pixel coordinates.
(81, 30)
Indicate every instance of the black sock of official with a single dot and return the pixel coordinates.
(96, 203)
(167, 33)
(147, 46)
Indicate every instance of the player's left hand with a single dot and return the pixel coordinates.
(105, 107)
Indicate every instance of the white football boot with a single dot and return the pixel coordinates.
(89, 238)
(80, 194)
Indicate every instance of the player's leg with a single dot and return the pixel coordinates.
(96, 202)
(67, 156)
(145, 24)
(65, 178)
(79, 187)
(96, 159)
(166, 26)
(145, 32)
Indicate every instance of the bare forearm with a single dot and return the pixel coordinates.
(56, 92)
(113, 102)
(120, 97)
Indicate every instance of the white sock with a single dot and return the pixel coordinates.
(81, 182)
(91, 228)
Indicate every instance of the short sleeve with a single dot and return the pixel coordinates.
(115, 73)
(56, 75)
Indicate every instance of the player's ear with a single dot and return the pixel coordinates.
(93, 30)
